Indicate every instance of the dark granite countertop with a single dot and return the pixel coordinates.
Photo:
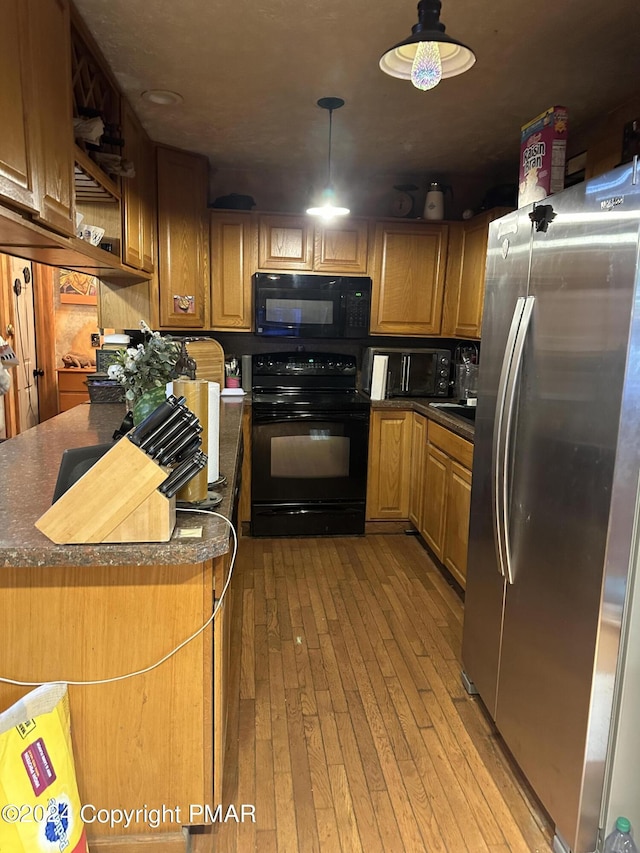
(29, 464)
(422, 405)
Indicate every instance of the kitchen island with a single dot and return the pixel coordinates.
(96, 612)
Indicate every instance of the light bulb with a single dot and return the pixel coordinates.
(328, 209)
(426, 71)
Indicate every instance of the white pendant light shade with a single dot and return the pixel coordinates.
(454, 57)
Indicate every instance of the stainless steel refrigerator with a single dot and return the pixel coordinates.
(554, 504)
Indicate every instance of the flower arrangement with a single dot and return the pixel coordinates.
(145, 367)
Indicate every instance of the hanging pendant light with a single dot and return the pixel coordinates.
(428, 54)
(328, 208)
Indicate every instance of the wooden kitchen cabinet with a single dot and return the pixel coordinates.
(183, 238)
(464, 292)
(19, 139)
(418, 450)
(447, 498)
(407, 266)
(301, 243)
(285, 243)
(388, 480)
(138, 194)
(233, 261)
(72, 387)
(341, 246)
(36, 144)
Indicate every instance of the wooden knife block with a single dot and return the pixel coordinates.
(116, 500)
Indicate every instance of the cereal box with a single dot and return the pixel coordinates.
(543, 146)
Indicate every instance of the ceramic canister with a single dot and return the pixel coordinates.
(434, 204)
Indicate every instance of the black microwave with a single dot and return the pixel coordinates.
(311, 306)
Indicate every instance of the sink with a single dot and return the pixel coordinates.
(457, 410)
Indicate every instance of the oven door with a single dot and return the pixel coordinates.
(309, 457)
(299, 313)
(309, 474)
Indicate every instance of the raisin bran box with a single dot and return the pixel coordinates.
(543, 146)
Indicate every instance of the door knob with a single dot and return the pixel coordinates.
(38, 372)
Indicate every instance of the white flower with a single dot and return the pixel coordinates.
(148, 365)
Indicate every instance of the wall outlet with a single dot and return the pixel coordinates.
(95, 339)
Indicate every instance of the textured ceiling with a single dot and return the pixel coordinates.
(250, 73)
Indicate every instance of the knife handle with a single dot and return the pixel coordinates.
(163, 437)
(171, 452)
(195, 466)
(155, 419)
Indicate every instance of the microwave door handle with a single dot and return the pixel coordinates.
(407, 376)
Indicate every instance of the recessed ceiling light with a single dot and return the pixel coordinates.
(162, 96)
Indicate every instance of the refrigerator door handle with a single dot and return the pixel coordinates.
(403, 373)
(507, 392)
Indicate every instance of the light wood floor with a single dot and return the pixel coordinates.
(351, 730)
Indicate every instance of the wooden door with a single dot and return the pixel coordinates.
(183, 239)
(407, 267)
(45, 278)
(232, 265)
(435, 499)
(285, 243)
(389, 465)
(21, 403)
(341, 246)
(18, 140)
(50, 44)
(418, 450)
(456, 538)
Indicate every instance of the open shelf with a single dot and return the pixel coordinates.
(91, 183)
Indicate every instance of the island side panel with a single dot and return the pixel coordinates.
(146, 740)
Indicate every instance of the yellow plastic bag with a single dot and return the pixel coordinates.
(39, 801)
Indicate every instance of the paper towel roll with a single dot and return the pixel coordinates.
(196, 394)
(213, 451)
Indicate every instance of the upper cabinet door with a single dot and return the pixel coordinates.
(138, 194)
(131, 190)
(341, 246)
(148, 197)
(183, 239)
(18, 140)
(285, 243)
(50, 51)
(232, 264)
(464, 299)
(407, 267)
